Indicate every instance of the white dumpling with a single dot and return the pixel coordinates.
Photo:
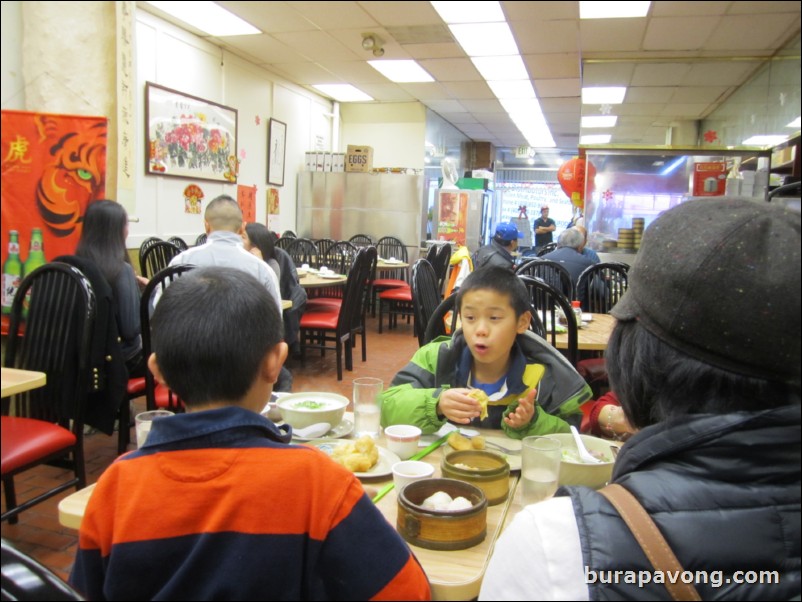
(439, 500)
(459, 503)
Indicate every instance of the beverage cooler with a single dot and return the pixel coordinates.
(464, 216)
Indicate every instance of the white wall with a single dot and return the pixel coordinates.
(396, 131)
(171, 57)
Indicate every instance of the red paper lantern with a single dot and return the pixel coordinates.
(571, 176)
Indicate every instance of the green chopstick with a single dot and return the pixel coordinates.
(421, 454)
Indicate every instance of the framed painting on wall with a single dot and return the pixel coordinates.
(189, 137)
(276, 151)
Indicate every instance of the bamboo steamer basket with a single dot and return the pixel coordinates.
(440, 530)
(489, 471)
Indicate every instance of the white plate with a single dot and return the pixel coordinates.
(382, 468)
(392, 261)
(514, 460)
(587, 317)
(330, 276)
(343, 429)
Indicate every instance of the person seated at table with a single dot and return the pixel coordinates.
(499, 251)
(569, 254)
(224, 226)
(705, 359)
(258, 240)
(586, 250)
(531, 388)
(606, 418)
(217, 505)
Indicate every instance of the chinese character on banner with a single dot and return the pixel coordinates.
(246, 199)
(53, 167)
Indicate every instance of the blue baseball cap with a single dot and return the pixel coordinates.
(507, 231)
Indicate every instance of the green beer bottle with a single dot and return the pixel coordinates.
(35, 259)
(12, 271)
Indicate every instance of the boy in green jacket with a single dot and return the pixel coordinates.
(532, 388)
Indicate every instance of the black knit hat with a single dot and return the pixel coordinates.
(719, 279)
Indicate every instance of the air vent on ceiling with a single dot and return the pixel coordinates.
(421, 34)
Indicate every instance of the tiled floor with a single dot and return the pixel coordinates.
(39, 533)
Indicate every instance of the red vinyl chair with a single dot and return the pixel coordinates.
(56, 304)
(323, 325)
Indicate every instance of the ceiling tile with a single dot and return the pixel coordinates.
(690, 110)
(469, 90)
(615, 73)
(451, 70)
(446, 106)
(355, 72)
(599, 35)
(700, 93)
(334, 15)
(483, 106)
(547, 66)
(646, 94)
(659, 74)
(719, 73)
(549, 88)
(679, 33)
(744, 32)
(316, 45)
(427, 91)
(540, 37)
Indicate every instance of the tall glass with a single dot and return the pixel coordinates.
(144, 422)
(540, 468)
(367, 406)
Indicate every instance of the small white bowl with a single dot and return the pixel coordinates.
(402, 440)
(409, 471)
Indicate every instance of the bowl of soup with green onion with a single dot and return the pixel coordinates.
(302, 409)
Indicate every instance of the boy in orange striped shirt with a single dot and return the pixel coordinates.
(217, 504)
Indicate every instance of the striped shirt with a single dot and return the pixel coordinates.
(217, 506)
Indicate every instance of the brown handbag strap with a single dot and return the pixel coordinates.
(651, 540)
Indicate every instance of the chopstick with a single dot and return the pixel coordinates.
(421, 454)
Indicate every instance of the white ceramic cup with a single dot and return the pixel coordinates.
(408, 471)
(144, 422)
(402, 440)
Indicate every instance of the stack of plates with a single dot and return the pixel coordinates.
(626, 238)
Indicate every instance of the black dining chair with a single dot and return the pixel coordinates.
(442, 316)
(25, 578)
(157, 257)
(304, 251)
(201, 239)
(602, 285)
(547, 248)
(425, 295)
(441, 265)
(158, 397)
(146, 244)
(178, 242)
(51, 323)
(546, 301)
(552, 272)
(334, 327)
(361, 240)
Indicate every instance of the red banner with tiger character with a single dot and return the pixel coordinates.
(53, 167)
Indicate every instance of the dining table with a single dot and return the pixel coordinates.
(592, 336)
(453, 574)
(16, 381)
(313, 279)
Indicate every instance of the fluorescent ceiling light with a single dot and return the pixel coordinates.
(519, 88)
(343, 92)
(595, 139)
(765, 140)
(599, 121)
(603, 95)
(485, 39)
(794, 123)
(612, 10)
(209, 17)
(401, 71)
(672, 167)
(469, 12)
(500, 67)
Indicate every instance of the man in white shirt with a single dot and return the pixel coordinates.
(223, 221)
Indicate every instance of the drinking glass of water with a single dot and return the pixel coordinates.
(540, 468)
(367, 410)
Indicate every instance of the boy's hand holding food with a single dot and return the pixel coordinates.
(524, 413)
(458, 405)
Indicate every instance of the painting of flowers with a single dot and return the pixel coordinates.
(189, 137)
